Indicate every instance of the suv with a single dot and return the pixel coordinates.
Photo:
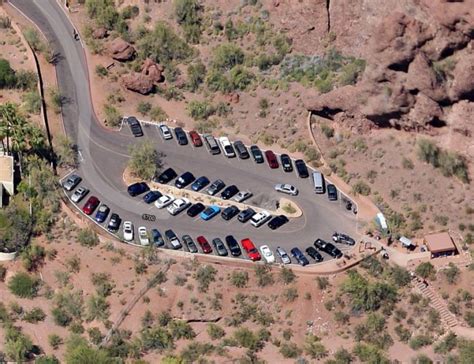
(229, 192)
(332, 192)
(173, 239)
(138, 188)
(313, 253)
(181, 136)
(233, 246)
(166, 176)
(285, 259)
(271, 159)
(286, 163)
(343, 238)
(72, 181)
(190, 244)
(185, 179)
(301, 168)
(256, 154)
(299, 256)
(277, 222)
(246, 215)
(260, 218)
(135, 126)
(229, 212)
(114, 222)
(227, 147)
(195, 138)
(165, 132)
(200, 183)
(241, 150)
(215, 187)
(220, 247)
(178, 205)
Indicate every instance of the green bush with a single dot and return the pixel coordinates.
(215, 332)
(419, 341)
(239, 279)
(240, 78)
(144, 107)
(200, 110)
(87, 237)
(327, 131)
(426, 270)
(264, 276)
(34, 316)
(290, 350)
(33, 39)
(54, 341)
(196, 75)
(144, 160)
(314, 348)
(188, 15)
(158, 114)
(26, 80)
(205, 275)
(31, 102)
(23, 285)
(361, 188)
(104, 12)
(7, 75)
(101, 71)
(112, 116)
(217, 81)
(226, 56)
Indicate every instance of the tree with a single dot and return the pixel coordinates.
(66, 152)
(17, 345)
(23, 285)
(144, 160)
(112, 116)
(188, 15)
(7, 75)
(32, 257)
(78, 351)
(452, 273)
(426, 270)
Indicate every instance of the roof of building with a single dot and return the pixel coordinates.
(439, 242)
(6, 168)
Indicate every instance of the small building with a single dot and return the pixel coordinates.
(7, 187)
(440, 244)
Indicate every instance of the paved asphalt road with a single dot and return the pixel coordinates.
(104, 156)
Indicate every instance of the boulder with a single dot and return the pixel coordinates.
(121, 50)
(100, 33)
(153, 70)
(462, 86)
(138, 82)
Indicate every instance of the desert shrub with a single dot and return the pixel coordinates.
(290, 294)
(218, 81)
(97, 308)
(95, 335)
(327, 130)
(196, 75)
(34, 316)
(287, 276)
(104, 12)
(239, 279)
(399, 276)
(31, 102)
(101, 71)
(7, 75)
(78, 351)
(469, 318)
(407, 163)
(163, 45)
(33, 38)
(195, 352)
(67, 306)
(32, 257)
(369, 354)
(54, 341)
(240, 78)
(419, 341)
(181, 330)
(102, 283)
(200, 110)
(5, 22)
(144, 107)
(226, 56)
(156, 338)
(426, 270)
(130, 12)
(17, 346)
(188, 15)
(87, 237)
(323, 282)
(3, 273)
(362, 188)
(446, 345)
(112, 115)
(264, 276)
(144, 160)
(215, 332)
(314, 348)
(403, 333)
(205, 275)
(23, 285)
(373, 332)
(452, 273)
(248, 339)
(26, 80)
(350, 72)
(290, 350)
(158, 114)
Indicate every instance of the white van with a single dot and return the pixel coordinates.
(260, 218)
(318, 182)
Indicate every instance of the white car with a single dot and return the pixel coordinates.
(267, 254)
(178, 205)
(165, 132)
(128, 230)
(79, 194)
(164, 201)
(227, 147)
(286, 188)
(242, 196)
(143, 236)
(260, 218)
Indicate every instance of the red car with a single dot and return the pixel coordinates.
(271, 159)
(205, 246)
(251, 250)
(91, 205)
(195, 138)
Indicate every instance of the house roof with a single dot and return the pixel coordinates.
(439, 242)
(6, 169)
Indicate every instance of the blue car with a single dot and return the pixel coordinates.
(102, 213)
(157, 238)
(210, 212)
(151, 196)
(299, 256)
(200, 183)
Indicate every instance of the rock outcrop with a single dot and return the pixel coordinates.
(121, 50)
(144, 82)
(100, 33)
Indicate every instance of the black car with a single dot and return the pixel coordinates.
(332, 192)
(220, 247)
(299, 256)
(241, 150)
(229, 212)
(166, 176)
(172, 239)
(328, 248)
(246, 215)
(195, 209)
(135, 126)
(157, 238)
(229, 192)
(277, 221)
(181, 136)
(313, 253)
(185, 179)
(301, 168)
(215, 187)
(256, 154)
(233, 246)
(114, 222)
(151, 196)
(137, 188)
(190, 244)
(286, 163)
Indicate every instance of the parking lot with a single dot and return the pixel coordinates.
(320, 219)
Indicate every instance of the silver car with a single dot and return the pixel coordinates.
(242, 196)
(283, 255)
(72, 181)
(79, 194)
(286, 188)
(165, 132)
